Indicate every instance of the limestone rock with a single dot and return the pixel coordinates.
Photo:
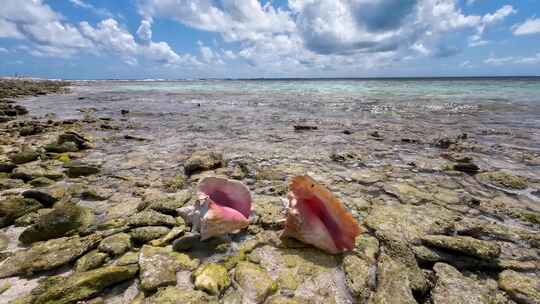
(503, 179)
(203, 161)
(24, 156)
(148, 233)
(62, 221)
(77, 169)
(212, 278)
(393, 283)
(12, 208)
(357, 276)
(466, 245)
(255, 283)
(522, 288)
(151, 218)
(175, 295)
(158, 268)
(91, 260)
(47, 255)
(116, 244)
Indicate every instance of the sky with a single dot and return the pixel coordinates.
(179, 39)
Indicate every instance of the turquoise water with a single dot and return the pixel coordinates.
(525, 90)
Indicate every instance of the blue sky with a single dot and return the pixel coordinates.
(100, 39)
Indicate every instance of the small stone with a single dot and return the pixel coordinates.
(41, 182)
(212, 278)
(466, 167)
(4, 241)
(466, 245)
(170, 236)
(255, 283)
(47, 198)
(7, 167)
(24, 156)
(72, 137)
(169, 204)
(91, 260)
(203, 161)
(31, 218)
(116, 244)
(61, 148)
(522, 288)
(148, 233)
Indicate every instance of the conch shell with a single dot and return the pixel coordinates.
(224, 206)
(317, 217)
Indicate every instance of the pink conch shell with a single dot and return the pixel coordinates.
(317, 217)
(224, 206)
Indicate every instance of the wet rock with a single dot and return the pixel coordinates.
(31, 218)
(158, 268)
(176, 183)
(270, 211)
(77, 169)
(409, 223)
(358, 276)
(81, 285)
(91, 260)
(45, 197)
(503, 179)
(7, 167)
(186, 242)
(212, 278)
(47, 255)
(41, 182)
(72, 137)
(255, 283)
(367, 248)
(96, 194)
(522, 288)
(9, 183)
(151, 218)
(466, 245)
(468, 167)
(408, 194)
(305, 128)
(24, 156)
(393, 283)
(175, 295)
(116, 244)
(149, 233)
(454, 288)
(203, 161)
(28, 172)
(4, 241)
(12, 208)
(62, 221)
(366, 176)
(61, 148)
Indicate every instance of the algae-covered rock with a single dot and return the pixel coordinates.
(81, 285)
(466, 245)
(454, 288)
(367, 247)
(169, 204)
(203, 161)
(393, 283)
(61, 148)
(409, 223)
(77, 169)
(24, 156)
(47, 197)
(255, 283)
(158, 268)
(283, 300)
(175, 295)
(151, 218)
(522, 288)
(91, 260)
(12, 208)
(116, 244)
(270, 211)
(31, 218)
(358, 275)
(72, 137)
(174, 233)
(48, 255)
(148, 233)
(212, 278)
(408, 194)
(41, 182)
(503, 179)
(63, 220)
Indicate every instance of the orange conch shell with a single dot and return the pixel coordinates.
(317, 217)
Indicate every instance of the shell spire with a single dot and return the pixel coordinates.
(317, 217)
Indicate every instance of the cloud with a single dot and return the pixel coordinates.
(498, 61)
(144, 32)
(529, 27)
(90, 7)
(3, 50)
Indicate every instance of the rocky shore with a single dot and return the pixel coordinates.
(88, 210)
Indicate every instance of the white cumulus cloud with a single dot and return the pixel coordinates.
(529, 27)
